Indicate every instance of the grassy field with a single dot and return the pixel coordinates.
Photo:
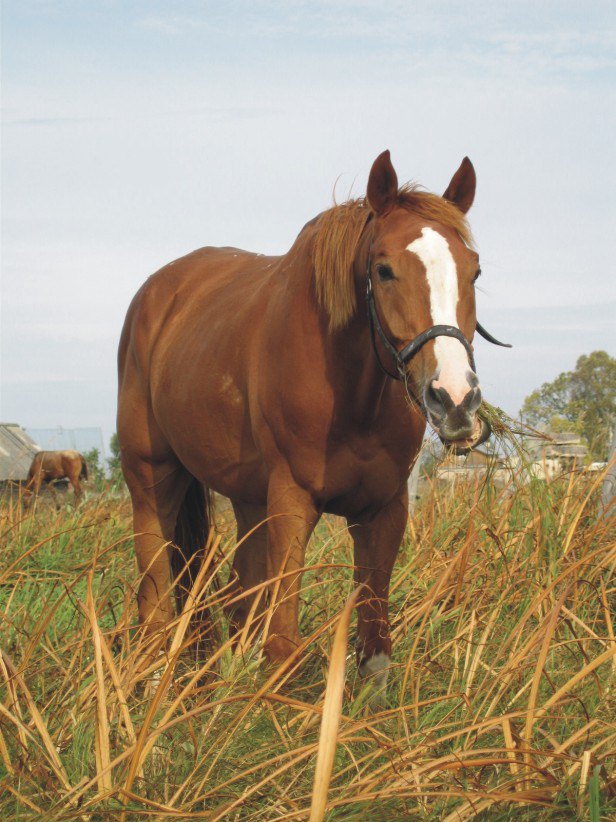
(502, 702)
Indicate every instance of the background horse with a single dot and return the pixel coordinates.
(264, 379)
(48, 466)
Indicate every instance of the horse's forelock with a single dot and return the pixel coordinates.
(432, 207)
(338, 234)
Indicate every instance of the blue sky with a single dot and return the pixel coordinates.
(134, 132)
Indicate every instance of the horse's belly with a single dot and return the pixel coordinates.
(208, 428)
(241, 477)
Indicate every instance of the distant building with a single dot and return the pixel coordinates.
(468, 467)
(17, 450)
(556, 454)
(544, 458)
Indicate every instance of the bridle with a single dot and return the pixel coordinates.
(402, 357)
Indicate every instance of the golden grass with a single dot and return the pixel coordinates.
(501, 700)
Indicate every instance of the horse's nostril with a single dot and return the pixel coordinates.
(472, 379)
(472, 400)
(437, 400)
(433, 394)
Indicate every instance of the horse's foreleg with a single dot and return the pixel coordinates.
(34, 482)
(30, 490)
(292, 516)
(376, 546)
(249, 563)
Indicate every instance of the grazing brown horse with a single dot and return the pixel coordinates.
(298, 385)
(55, 465)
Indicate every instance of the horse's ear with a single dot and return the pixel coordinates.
(461, 189)
(382, 185)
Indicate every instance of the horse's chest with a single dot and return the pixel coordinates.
(361, 475)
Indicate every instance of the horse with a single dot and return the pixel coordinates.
(48, 466)
(299, 385)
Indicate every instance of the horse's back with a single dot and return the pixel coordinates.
(71, 454)
(60, 461)
(214, 278)
(187, 338)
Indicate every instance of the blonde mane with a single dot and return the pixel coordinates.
(338, 234)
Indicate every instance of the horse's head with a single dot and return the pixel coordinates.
(421, 278)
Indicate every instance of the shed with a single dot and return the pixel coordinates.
(557, 453)
(468, 467)
(17, 451)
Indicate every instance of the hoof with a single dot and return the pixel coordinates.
(375, 671)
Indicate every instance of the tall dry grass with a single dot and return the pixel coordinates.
(501, 701)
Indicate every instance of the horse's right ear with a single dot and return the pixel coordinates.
(382, 185)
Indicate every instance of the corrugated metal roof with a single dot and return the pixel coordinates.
(17, 450)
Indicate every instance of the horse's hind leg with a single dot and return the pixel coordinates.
(73, 478)
(249, 564)
(157, 489)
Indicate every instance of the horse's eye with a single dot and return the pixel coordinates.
(384, 272)
(477, 274)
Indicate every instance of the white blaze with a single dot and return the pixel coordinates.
(442, 275)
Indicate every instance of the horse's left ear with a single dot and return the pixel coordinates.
(382, 190)
(461, 189)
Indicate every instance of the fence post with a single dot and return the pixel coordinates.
(412, 484)
(608, 488)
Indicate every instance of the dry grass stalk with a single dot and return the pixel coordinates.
(103, 757)
(332, 711)
(534, 689)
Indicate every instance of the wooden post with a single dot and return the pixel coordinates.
(608, 488)
(412, 484)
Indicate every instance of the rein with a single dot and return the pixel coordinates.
(401, 358)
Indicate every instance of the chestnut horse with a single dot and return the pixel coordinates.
(289, 385)
(55, 465)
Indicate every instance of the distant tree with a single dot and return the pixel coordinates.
(96, 472)
(113, 462)
(582, 400)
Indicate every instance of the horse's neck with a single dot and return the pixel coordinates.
(352, 349)
(352, 366)
(358, 368)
